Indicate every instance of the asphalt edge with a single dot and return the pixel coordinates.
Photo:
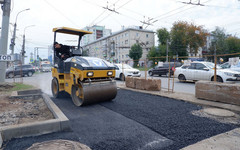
(60, 123)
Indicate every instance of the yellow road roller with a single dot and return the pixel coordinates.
(87, 79)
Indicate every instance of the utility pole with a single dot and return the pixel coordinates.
(167, 52)
(23, 45)
(215, 64)
(12, 44)
(23, 49)
(4, 37)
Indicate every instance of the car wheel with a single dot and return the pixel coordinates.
(150, 73)
(181, 77)
(10, 75)
(122, 77)
(167, 74)
(30, 74)
(219, 79)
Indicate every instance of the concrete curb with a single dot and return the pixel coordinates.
(60, 123)
(188, 98)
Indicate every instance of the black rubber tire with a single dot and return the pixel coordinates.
(167, 74)
(76, 99)
(29, 73)
(55, 88)
(150, 73)
(122, 77)
(10, 75)
(181, 78)
(219, 79)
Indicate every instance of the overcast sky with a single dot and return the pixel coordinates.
(47, 14)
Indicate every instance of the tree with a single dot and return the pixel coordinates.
(156, 53)
(163, 36)
(196, 37)
(233, 46)
(179, 38)
(135, 53)
(219, 39)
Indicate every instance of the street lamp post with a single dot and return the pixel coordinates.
(14, 32)
(23, 45)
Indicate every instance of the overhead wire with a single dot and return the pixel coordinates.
(61, 13)
(102, 13)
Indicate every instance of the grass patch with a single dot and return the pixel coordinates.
(20, 86)
(143, 68)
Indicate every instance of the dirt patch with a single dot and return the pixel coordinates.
(18, 111)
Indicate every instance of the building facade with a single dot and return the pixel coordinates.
(115, 48)
(97, 33)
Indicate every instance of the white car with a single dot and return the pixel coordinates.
(205, 71)
(125, 70)
(227, 65)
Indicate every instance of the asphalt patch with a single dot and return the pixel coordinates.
(133, 120)
(168, 117)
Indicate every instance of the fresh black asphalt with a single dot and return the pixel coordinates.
(133, 121)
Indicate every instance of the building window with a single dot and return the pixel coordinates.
(122, 56)
(126, 34)
(126, 41)
(147, 42)
(146, 35)
(126, 55)
(136, 34)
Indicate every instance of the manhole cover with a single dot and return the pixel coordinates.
(219, 112)
(59, 145)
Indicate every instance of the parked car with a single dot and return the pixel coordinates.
(123, 70)
(227, 65)
(46, 68)
(20, 70)
(205, 71)
(164, 69)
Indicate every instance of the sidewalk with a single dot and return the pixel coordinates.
(225, 141)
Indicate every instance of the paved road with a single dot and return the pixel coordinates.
(186, 87)
(133, 121)
(43, 81)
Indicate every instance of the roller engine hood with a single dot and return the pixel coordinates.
(89, 63)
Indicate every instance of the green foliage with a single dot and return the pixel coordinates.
(219, 37)
(179, 38)
(233, 46)
(163, 36)
(196, 37)
(135, 53)
(20, 86)
(185, 35)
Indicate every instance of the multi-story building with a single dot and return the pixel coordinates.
(98, 32)
(115, 48)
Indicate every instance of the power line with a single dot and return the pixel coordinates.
(102, 13)
(60, 13)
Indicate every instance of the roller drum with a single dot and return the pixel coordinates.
(95, 92)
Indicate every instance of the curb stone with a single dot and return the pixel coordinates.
(59, 123)
(1, 140)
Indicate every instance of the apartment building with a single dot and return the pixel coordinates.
(115, 48)
(97, 33)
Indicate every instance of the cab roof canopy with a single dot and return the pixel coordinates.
(72, 31)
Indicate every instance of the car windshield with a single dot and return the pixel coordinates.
(125, 66)
(46, 65)
(212, 65)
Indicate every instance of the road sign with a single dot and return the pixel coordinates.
(6, 57)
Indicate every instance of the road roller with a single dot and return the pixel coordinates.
(86, 79)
